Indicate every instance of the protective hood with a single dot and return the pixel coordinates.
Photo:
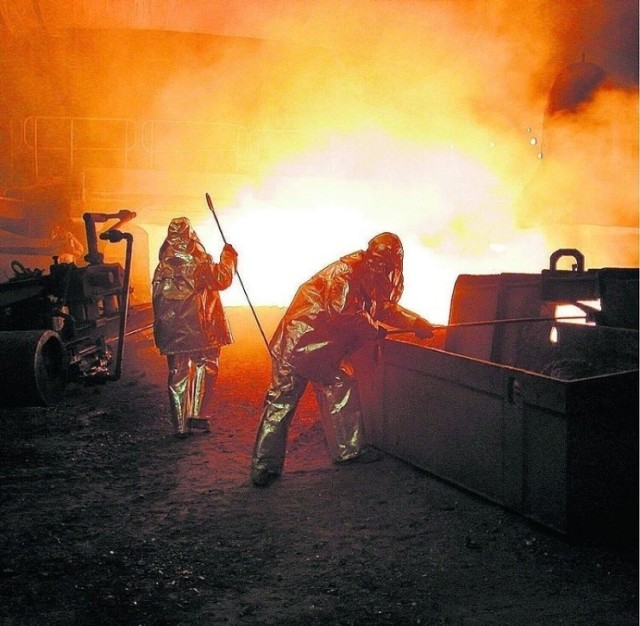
(181, 240)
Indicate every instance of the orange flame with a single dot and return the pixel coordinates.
(425, 121)
(329, 121)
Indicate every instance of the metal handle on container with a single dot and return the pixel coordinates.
(576, 254)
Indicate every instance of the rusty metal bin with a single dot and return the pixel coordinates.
(559, 447)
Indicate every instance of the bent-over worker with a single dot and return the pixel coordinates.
(331, 315)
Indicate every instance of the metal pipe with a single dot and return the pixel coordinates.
(113, 236)
(515, 320)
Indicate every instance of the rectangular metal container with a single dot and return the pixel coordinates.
(560, 451)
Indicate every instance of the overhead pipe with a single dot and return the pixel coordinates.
(52, 17)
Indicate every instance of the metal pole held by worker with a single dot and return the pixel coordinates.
(515, 320)
(213, 211)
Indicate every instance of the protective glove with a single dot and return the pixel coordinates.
(382, 332)
(229, 249)
(422, 329)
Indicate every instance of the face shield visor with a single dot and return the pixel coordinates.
(385, 254)
(384, 257)
(181, 240)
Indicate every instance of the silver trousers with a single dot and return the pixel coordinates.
(191, 383)
(340, 412)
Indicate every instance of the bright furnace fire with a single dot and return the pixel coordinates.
(451, 214)
(441, 132)
(485, 134)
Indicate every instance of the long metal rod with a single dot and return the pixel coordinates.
(255, 316)
(515, 320)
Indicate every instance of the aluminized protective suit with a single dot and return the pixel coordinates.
(189, 324)
(330, 316)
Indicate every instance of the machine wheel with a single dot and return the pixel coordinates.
(33, 368)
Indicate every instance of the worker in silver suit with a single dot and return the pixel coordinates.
(347, 303)
(190, 324)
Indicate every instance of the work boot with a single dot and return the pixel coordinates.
(369, 455)
(260, 477)
(200, 423)
(366, 455)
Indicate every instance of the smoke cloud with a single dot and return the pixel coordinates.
(439, 106)
(424, 117)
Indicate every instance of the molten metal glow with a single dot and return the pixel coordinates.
(451, 212)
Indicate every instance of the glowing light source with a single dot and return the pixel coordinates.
(576, 314)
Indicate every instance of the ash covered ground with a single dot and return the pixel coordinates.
(108, 519)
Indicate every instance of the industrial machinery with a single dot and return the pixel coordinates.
(62, 327)
(517, 405)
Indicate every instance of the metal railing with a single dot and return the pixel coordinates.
(66, 145)
(62, 145)
(41, 147)
(204, 146)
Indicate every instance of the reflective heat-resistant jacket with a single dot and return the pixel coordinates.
(334, 312)
(188, 312)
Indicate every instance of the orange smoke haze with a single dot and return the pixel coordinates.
(421, 117)
(426, 119)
